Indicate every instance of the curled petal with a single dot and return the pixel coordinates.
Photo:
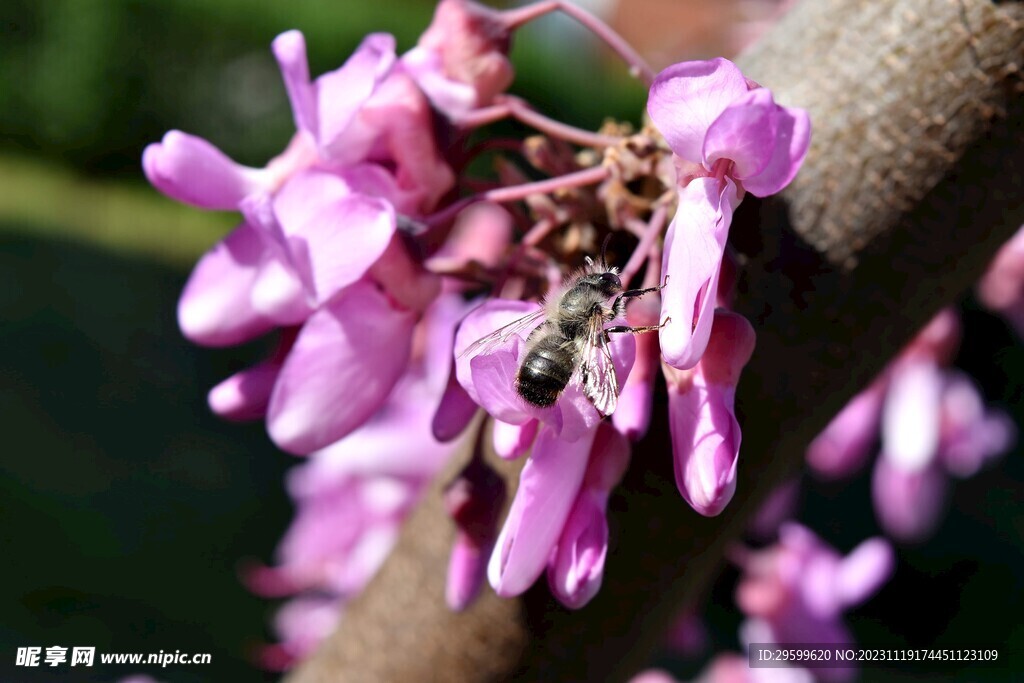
(325, 108)
(686, 99)
(193, 171)
(346, 360)
(577, 566)
(694, 246)
(548, 486)
(246, 394)
(216, 308)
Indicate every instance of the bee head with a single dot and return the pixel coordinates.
(609, 283)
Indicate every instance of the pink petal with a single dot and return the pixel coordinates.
(333, 237)
(511, 441)
(246, 394)
(744, 133)
(289, 49)
(632, 415)
(455, 411)
(686, 99)
(342, 368)
(694, 248)
(342, 93)
(467, 568)
(450, 97)
(864, 571)
(908, 504)
(971, 434)
(193, 171)
(911, 418)
(705, 433)
(792, 139)
(843, 447)
(215, 308)
(547, 488)
(577, 567)
(489, 379)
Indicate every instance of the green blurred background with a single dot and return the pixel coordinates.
(125, 507)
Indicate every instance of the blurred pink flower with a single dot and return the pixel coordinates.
(728, 136)
(1001, 288)
(797, 590)
(934, 424)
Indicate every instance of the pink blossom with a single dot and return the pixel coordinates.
(727, 137)
(705, 433)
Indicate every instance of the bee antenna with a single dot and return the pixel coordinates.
(604, 250)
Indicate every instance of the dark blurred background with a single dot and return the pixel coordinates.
(125, 507)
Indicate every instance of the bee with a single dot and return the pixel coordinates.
(569, 342)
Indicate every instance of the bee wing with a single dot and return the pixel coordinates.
(503, 334)
(597, 371)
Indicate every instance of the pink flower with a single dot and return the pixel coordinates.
(705, 433)
(728, 137)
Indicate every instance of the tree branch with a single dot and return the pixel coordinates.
(912, 182)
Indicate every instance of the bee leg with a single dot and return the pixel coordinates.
(621, 329)
(631, 293)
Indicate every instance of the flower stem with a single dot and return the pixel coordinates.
(643, 247)
(518, 109)
(638, 67)
(589, 176)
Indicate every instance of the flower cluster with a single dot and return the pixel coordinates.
(358, 243)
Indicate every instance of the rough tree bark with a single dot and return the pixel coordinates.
(912, 182)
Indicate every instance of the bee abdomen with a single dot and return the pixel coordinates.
(545, 372)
